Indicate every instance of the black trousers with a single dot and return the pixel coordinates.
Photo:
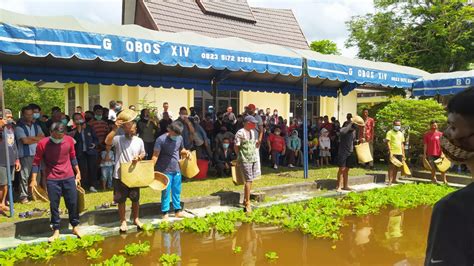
(88, 167)
(67, 189)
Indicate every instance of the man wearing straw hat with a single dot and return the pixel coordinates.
(451, 234)
(128, 148)
(345, 155)
(58, 157)
(395, 143)
(168, 148)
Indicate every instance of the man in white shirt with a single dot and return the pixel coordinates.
(165, 109)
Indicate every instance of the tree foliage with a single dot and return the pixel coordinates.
(22, 93)
(415, 114)
(434, 35)
(325, 47)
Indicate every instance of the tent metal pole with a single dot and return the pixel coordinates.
(305, 117)
(214, 99)
(5, 142)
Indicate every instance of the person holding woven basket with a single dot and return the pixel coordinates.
(451, 234)
(395, 142)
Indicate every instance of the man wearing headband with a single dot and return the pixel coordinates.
(451, 235)
(58, 157)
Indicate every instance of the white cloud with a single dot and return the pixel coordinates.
(323, 19)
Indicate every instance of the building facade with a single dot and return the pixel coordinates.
(218, 19)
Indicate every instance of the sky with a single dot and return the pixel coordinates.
(319, 19)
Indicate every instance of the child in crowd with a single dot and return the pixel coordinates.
(107, 168)
(313, 149)
(324, 147)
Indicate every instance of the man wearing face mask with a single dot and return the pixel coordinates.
(168, 149)
(223, 134)
(260, 131)
(451, 234)
(37, 117)
(395, 143)
(246, 147)
(86, 152)
(223, 158)
(28, 134)
(100, 127)
(128, 148)
(58, 157)
(7, 133)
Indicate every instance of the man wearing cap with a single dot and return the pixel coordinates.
(58, 157)
(246, 148)
(345, 157)
(259, 127)
(128, 148)
(166, 154)
(395, 143)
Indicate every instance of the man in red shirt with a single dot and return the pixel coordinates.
(58, 157)
(100, 127)
(277, 146)
(368, 133)
(432, 149)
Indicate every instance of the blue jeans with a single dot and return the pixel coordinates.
(67, 189)
(174, 188)
(107, 172)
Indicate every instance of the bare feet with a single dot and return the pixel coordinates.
(75, 231)
(338, 189)
(4, 208)
(123, 227)
(179, 214)
(138, 224)
(248, 207)
(165, 217)
(347, 189)
(54, 236)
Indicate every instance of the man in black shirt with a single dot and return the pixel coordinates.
(345, 155)
(451, 235)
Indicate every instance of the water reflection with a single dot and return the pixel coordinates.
(393, 237)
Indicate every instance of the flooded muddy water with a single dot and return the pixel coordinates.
(392, 237)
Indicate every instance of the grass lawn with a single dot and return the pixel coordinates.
(206, 187)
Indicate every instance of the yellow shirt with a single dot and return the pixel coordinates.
(314, 142)
(396, 139)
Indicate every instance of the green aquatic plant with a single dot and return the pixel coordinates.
(94, 254)
(148, 227)
(169, 259)
(271, 256)
(135, 249)
(237, 250)
(116, 260)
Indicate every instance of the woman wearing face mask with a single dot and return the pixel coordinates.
(395, 143)
(293, 148)
(86, 152)
(57, 156)
(451, 235)
(277, 147)
(148, 131)
(168, 149)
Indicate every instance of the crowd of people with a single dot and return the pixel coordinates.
(89, 147)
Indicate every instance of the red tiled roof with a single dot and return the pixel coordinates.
(229, 19)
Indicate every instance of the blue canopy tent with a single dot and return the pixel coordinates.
(66, 50)
(443, 83)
